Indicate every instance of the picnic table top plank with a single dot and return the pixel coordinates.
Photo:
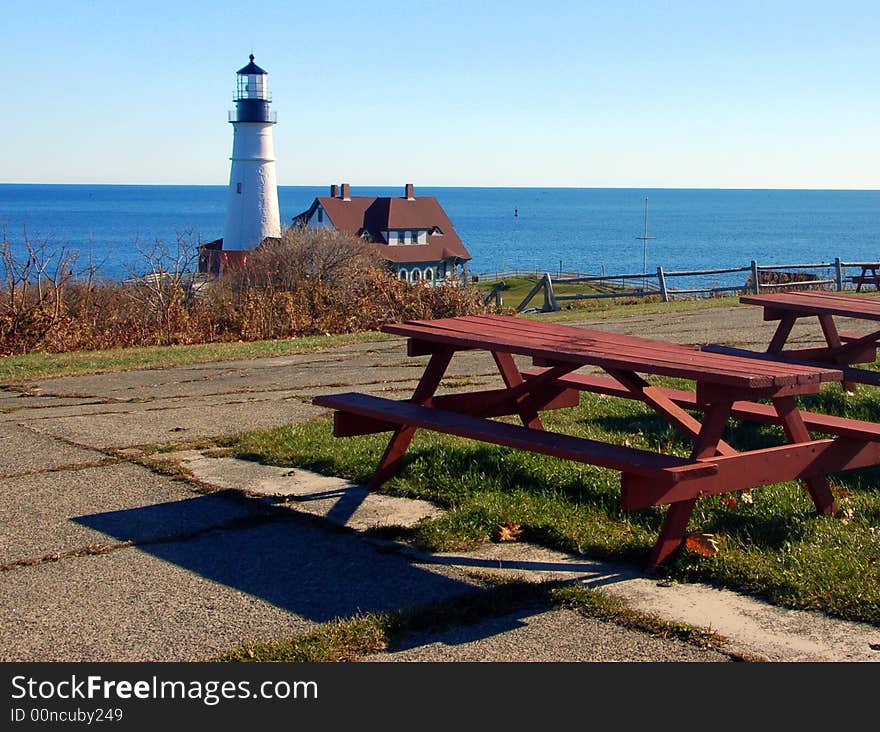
(598, 348)
(815, 303)
(633, 353)
(585, 352)
(634, 344)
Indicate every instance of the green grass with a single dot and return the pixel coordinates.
(45, 365)
(516, 289)
(349, 639)
(775, 546)
(613, 308)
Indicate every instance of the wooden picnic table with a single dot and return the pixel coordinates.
(841, 348)
(868, 276)
(726, 385)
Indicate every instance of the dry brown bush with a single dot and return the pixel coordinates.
(310, 282)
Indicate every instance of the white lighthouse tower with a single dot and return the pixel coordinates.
(252, 202)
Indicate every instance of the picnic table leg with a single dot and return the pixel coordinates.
(797, 431)
(832, 338)
(512, 379)
(402, 437)
(783, 330)
(677, 516)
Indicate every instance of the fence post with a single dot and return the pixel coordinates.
(661, 279)
(550, 303)
(838, 274)
(756, 284)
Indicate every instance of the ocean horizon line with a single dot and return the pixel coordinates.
(454, 187)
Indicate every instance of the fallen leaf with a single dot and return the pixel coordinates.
(702, 544)
(729, 501)
(509, 531)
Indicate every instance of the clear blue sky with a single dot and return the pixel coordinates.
(644, 94)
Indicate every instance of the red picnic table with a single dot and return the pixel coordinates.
(726, 385)
(841, 348)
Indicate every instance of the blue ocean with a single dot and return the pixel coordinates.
(592, 230)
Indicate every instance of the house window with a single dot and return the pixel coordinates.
(238, 187)
(429, 275)
(416, 275)
(320, 215)
(402, 275)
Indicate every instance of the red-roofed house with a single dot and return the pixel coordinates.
(414, 235)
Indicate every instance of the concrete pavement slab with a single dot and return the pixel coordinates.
(47, 513)
(22, 450)
(340, 501)
(152, 425)
(191, 600)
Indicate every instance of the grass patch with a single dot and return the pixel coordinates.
(45, 365)
(351, 638)
(338, 640)
(608, 308)
(516, 289)
(773, 545)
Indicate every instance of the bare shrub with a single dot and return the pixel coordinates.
(32, 286)
(162, 291)
(309, 282)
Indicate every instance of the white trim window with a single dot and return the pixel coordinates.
(402, 274)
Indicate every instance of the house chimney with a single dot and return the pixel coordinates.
(346, 192)
(334, 191)
(410, 192)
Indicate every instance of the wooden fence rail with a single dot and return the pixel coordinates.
(657, 283)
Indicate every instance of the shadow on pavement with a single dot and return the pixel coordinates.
(284, 559)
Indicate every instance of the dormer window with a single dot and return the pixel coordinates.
(436, 231)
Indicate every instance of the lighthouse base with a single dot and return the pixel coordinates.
(214, 260)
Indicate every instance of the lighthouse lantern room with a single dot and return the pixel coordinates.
(252, 212)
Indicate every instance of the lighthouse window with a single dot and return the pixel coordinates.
(238, 187)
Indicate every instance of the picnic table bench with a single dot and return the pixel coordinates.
(841, 348)
(725, 385)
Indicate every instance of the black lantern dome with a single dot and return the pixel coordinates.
(252, 95)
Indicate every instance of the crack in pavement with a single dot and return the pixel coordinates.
(91, 550)
(211, 395)
(69, 467)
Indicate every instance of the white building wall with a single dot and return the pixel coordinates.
(252, 211)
